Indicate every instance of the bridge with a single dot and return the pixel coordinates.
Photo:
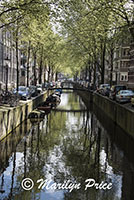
(69, 85)
(69, 88)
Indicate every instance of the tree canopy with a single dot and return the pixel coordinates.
(72, 34)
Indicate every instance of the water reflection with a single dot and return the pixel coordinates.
(65, 146)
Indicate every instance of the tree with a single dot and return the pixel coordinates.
(88, 25)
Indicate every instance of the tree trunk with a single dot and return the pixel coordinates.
(103, 62)
(89, 72)
(35, 78)
(52, 73)
(111, 63)
(28, 59)
(44, 76)
(86, 70)
(49, 71)
(56, 76)
(17, 60)
(94, 76)
(40, 72)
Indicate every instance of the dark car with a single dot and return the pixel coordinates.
(115, 89)
(104, 89)
(107, 91)
(33, 90)
(23, 92)
(45, 86)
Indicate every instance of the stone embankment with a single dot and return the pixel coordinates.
(10, 117)
(118, 113)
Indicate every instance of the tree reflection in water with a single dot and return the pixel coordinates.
(65, 146)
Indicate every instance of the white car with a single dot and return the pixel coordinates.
(39, 88)
(124, 96)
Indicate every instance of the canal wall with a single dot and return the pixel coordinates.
(10, 117)
(122, 116)
(9, 144)
(116, 133)
(119, 114)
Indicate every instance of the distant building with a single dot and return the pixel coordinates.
(131, 68)
(8, 71)
(1, 60)
(121, 64)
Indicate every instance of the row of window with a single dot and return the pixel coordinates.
(120, 76)
(123, 77)
(122, 64)
(124, 52)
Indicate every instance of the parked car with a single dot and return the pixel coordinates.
(39, 88)
(103, 89)
(33, 90)
(115, 89)
(106, 91)
(124, 96)
(45, 85)
(132, 101)
(51, 84)
(23, 92)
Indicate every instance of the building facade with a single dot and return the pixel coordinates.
(131, 68)
(1, 59)
(8, 71)
(121, 64)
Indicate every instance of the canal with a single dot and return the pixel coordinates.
(72, 154)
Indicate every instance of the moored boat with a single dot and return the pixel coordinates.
(44, 108)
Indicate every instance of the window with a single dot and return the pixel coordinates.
(125, 52)
(22, 73)
(124, 76)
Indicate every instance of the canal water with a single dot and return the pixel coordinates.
(70, 155)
